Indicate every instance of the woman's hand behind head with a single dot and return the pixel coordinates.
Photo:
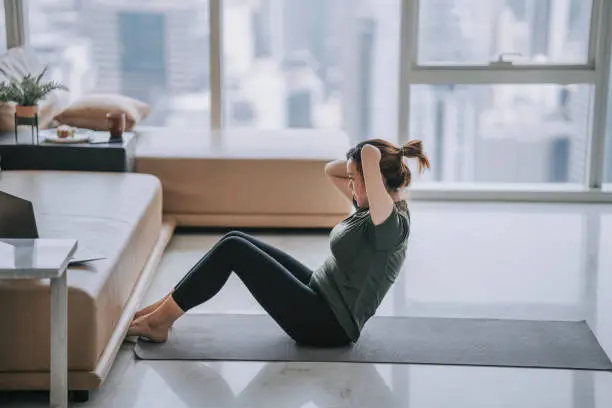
(371, 153)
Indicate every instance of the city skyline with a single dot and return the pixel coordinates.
(325, 64)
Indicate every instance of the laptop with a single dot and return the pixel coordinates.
(17, 220)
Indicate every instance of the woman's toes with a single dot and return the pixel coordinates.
(142, 328)
(135, 328)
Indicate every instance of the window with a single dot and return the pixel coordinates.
(153, 51)
(528, 31)
(502, 91)
(312, 64)
(503, 133)
(3, 29)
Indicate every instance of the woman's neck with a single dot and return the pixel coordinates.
(396, 196)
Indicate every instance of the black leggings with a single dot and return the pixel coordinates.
(277, 281)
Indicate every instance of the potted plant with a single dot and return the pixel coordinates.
(3, 96)
(27, 92)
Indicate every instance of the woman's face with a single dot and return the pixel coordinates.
(357, 185)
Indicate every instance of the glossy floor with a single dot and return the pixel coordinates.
(465, 260)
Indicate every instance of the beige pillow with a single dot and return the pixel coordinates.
(90, 111)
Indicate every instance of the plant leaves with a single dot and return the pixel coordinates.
(41, 75)
(29, 90)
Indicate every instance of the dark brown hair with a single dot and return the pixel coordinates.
(395, 172)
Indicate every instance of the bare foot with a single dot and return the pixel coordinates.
(142, 327)
(150, 309)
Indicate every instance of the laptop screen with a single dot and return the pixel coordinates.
(17, 218)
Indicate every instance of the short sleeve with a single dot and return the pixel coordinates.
(392, 232)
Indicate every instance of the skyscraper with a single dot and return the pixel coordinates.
(55, 37)
(384, 37)
(443, 119)
(150, 50)
(539, 14)
(143, 53)
(304, 90)
(366, 39)
(262, 30)
(440, 36)
(306, 26)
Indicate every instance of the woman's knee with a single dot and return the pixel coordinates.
(234, 241)
(230, 248)
(234, 233)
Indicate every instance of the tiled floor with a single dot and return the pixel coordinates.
(476, 260)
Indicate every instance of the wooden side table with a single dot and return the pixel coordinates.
(46, 259)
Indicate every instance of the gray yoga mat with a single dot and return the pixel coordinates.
(408, 340)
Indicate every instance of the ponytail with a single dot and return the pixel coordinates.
(414, 149)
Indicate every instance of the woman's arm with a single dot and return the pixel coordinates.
(380, 202)
(336, 171)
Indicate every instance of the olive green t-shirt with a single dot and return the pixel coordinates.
(364, 263)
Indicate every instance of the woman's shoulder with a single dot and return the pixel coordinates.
(362, 215)
(402, 211)
(402, 207)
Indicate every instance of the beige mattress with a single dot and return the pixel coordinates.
(246, 177)
(117, 215)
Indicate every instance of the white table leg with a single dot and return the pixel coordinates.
(59, 342)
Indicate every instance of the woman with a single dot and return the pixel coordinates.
(327, 307)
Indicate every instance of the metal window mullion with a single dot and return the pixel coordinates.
(351, 75)
(16, 18)
(488, 75)
(597, 141)
(508, 193)
(409, 16)
(594, 25)
(216, 50)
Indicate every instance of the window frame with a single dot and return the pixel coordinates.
(595, 72)
(215, 10)
(16, 18)
(589, 65)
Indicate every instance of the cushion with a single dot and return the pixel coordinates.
(223, 179)
(90, 111)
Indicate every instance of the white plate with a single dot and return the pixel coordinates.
(67, 140)
(80, 136)
(77, 132)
